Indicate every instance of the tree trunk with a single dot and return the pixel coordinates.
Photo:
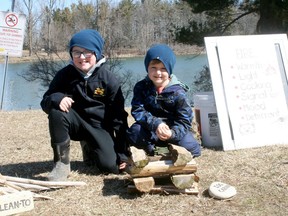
(271, 16)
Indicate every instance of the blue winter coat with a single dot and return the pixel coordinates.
(170, 106)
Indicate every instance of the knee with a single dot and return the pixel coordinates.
(191, 144)
(55, 114)
(196, 151)
(135, 128)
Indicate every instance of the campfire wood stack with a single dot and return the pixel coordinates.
(174, 172)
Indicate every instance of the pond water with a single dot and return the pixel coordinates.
(20, 94)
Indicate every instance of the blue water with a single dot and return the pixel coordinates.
(20, 94)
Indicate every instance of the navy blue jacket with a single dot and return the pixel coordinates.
(170, 106)
(98, 100)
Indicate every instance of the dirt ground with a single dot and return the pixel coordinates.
(260, 176)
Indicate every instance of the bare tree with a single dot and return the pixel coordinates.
(29, 7)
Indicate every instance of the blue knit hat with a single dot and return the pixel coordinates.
(88, 39)
(163, 53)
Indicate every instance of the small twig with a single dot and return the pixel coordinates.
(6, 183)
(37, 196)
(7, 190)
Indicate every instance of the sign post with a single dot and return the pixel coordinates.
(12, 31)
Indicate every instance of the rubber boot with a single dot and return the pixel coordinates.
(61, 168)
(88, 155)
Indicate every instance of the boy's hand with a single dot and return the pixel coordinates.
(163, 132)
(66, 104)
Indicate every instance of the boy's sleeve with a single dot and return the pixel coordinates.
(53, 96)
(182, 119)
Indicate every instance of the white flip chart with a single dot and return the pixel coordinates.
(249, 78)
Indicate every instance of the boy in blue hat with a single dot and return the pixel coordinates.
(160, 106)
(84, 102)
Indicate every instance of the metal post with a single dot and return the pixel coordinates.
(6, 65)
(4, 80)
(13, 5)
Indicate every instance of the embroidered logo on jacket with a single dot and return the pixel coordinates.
(99, 92)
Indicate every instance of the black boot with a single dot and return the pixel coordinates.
(61, 168)
(88, 156)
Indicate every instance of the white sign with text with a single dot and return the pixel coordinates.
(12, 31)
(249, 77)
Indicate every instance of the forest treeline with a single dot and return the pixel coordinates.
(134, 25)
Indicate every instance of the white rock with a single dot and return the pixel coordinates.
(220, 190)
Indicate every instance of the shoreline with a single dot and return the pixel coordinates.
(25, 58)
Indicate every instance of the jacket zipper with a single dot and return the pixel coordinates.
(156, 97)
(85, 86)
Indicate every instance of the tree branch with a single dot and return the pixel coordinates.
(237, 18)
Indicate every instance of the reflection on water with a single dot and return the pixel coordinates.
(20, 94)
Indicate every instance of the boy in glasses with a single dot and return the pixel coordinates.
(84, 103)
(160, 106)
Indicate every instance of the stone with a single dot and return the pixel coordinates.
(220, 190)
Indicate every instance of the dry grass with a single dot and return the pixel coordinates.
(260, 176)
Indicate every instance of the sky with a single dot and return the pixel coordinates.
(6, 4)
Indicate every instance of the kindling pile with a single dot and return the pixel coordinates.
(18, 194)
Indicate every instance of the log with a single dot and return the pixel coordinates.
(180, 155)
(168, 189)
(138, 157)
(144, 184)
(160, 168)
(183, 181)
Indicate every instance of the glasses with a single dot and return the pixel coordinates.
(77, 54)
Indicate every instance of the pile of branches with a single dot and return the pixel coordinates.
(9, 184)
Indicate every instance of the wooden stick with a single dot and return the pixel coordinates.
(37, 196)
(6, 190)
(9, 184)
(31, 187)
(42, 183)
